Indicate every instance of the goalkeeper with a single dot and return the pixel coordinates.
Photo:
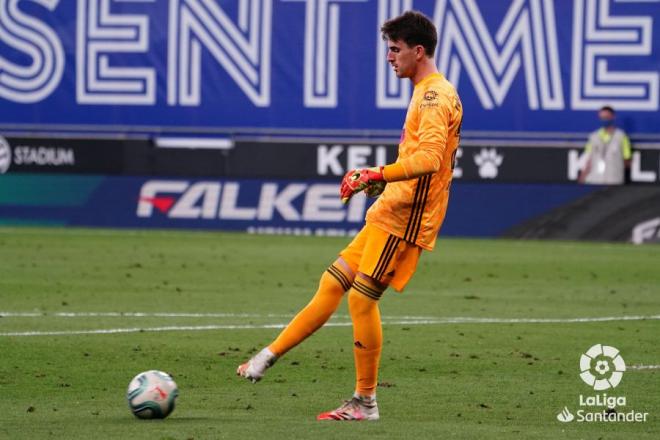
(404, 220)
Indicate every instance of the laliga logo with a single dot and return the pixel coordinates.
(602, 367)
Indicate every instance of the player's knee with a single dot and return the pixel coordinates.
(339, 272)
(360, 305)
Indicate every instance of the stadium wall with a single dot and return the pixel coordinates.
(101, 100)
(271, 67)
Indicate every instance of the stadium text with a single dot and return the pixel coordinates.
(43, 156)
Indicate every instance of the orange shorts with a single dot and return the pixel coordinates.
(382, 256)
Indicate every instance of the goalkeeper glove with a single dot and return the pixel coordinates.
(357, 180)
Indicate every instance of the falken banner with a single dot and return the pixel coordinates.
(298, 207)
(254, 205)
(224, 65)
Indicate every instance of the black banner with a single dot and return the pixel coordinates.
(72, 156)
(476, 161)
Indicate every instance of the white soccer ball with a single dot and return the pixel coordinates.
(151, 395)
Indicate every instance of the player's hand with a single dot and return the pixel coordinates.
(357, 180)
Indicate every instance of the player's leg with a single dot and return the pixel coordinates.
(367, 333)
(333, 284)
(386, 260)
(367, 345)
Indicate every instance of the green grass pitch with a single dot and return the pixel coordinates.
(441, 377)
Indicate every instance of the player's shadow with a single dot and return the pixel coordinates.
(169, 420)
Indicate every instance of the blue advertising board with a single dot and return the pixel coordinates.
(308, 65)
(256, 206)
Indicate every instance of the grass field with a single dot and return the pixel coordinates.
(197, 304)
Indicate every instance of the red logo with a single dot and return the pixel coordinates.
(163, 204)
(163, 394)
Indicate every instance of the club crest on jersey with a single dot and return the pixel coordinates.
(430, 95)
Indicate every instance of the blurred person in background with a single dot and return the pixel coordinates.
(607, 153)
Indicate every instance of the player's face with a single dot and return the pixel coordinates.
(402, 58)
(606, 118)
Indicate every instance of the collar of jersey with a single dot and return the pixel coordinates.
(429, 77)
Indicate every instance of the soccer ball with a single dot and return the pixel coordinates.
(375, 188)
(151, 395)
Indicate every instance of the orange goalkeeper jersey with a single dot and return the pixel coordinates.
(413, 209)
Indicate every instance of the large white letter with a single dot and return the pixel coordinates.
(32, 83)
(243, 50)
(322, 51)
(526, 36)
(593, 85)
(99, 34)
(391, 92)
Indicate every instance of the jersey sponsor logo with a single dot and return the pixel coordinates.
(430, 100)
(181, 199)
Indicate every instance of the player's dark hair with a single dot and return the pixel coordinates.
(413, 28)
(607, 108)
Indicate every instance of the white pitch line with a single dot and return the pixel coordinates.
(136, 315)
(434, 319)
(644, 367)
(167, 315)
(328, 324)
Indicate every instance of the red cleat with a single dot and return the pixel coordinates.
(354, 409)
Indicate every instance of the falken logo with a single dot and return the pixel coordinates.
(180, 199)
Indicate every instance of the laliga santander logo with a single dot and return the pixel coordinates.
(602, 367)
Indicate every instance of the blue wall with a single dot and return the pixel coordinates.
(273, 64)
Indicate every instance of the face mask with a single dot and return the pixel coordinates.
(607, 123)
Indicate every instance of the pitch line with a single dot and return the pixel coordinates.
(644, 367)
(426, 319)
(328, 324)
(137, 315)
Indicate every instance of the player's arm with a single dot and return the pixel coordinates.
(434, 130)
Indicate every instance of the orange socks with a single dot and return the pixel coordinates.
(367, 334)
(334, 283)
(363, 307)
